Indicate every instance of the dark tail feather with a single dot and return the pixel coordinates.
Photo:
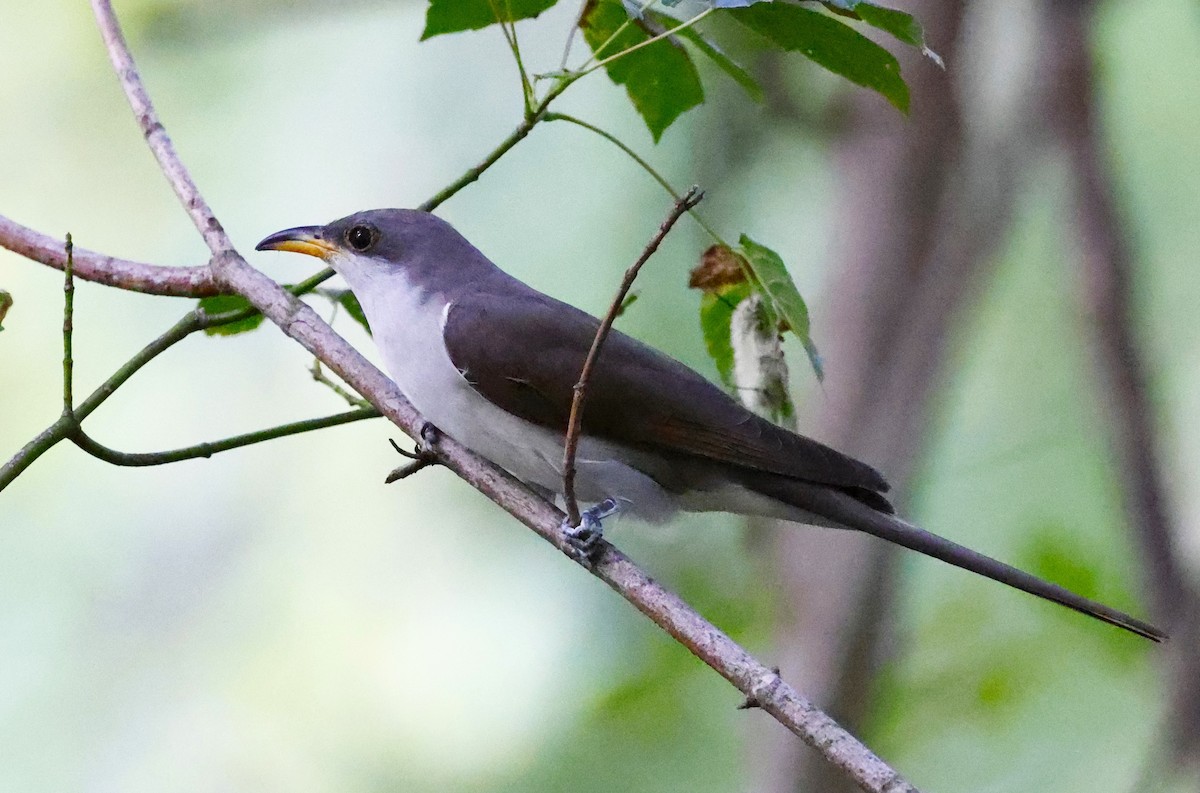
(845, 510)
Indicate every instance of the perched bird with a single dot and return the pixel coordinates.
(492, 362)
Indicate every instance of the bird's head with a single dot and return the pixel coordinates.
(384, 244)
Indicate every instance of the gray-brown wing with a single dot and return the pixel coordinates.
(525, 353)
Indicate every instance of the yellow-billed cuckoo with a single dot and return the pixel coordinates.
(492, 363)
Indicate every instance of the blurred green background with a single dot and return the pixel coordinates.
(276, 619)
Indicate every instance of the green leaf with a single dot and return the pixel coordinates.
(724, 63)
(904, 27)
(221, 304)
(901, 25)
(6, 302)
(830, 43)
(660, 78)
(776, 283)
(716, 311)
(452, 16)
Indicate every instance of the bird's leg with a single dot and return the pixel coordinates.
(586, 537)
(423, 456)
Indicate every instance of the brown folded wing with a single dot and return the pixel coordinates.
(525, 354)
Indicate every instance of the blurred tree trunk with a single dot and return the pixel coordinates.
(930, 197)
(1107, 268)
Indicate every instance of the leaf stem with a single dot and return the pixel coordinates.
(653, 39)
(646, 166)
(583, 7)
(142, 459)
(604, 44)
(509, 29)
(318, 374)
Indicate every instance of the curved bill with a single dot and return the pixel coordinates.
(302, 239)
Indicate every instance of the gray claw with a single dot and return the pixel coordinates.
(586, 537)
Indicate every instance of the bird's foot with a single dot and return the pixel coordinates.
(423, 456)
(585, 538)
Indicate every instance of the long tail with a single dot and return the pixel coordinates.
(853, 514)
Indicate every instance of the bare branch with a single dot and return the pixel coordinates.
(152, 279)
(583, 7)
(574, 424)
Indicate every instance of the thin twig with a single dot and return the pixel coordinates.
(646, 166)
(408, 469)
(142, 459)
(318, 374)
(574, 424)
(583, 7)
(194, 282)
(509, 28)
(424, 456)
(516, 136)
(68, 328)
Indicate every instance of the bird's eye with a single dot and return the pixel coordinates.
(360, 237)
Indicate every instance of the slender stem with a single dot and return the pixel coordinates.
(575, 423)
(509, 29)
(633, 155)
(68, 328)
(318, 374)
(583, 7)
(649, 41)
(516, 136)
(175, 334)
(605, 44)
(140, 459)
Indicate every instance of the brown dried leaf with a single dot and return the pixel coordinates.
(719, 267)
